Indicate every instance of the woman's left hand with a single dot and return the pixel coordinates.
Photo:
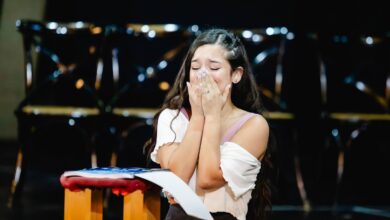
(213, 99)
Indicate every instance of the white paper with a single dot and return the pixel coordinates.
(182, 193)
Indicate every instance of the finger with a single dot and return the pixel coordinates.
(189, 87)
(212, 85)
(192, 89)
(203, 84)
(207, 85)
(226, 91)
(199, 89)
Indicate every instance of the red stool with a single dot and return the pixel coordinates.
(84, 198)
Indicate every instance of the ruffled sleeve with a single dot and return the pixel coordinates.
(239, 168)
(164, 132)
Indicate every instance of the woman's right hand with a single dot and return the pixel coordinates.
(195, 97)
(169, 197)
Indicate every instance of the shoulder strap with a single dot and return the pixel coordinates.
(184, 111)
(236, 126)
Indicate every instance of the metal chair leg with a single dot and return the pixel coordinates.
(15, 185)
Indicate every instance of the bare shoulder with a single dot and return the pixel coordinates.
(256, 127)
(253, 135)
(258, 120)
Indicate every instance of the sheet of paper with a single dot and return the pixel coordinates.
(182, 193)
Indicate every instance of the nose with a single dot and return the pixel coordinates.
(202, 72)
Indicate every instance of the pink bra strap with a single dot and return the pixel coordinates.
(183, 110)
(233, 130)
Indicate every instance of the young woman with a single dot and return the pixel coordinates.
(210, 131)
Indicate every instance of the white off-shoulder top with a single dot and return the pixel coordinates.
(239, 167)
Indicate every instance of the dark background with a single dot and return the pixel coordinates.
(331, 32)
(328, 16)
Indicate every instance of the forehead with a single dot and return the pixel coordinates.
(211, 52)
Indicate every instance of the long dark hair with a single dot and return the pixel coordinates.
(245, 95)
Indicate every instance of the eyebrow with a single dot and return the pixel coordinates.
(211, 61)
